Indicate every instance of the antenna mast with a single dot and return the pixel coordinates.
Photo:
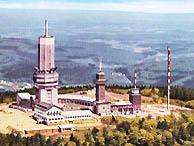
(169, 61)
(100, 67)
(135, 79)
(46, 28)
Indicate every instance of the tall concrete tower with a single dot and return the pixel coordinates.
(45, 76)
(100, 84)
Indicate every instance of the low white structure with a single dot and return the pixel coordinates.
(48, 113)
(65, 127)
(75, 99)
(77, 115)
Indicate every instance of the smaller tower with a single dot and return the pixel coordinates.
(101, 106)
(135, 97)
(100, 84)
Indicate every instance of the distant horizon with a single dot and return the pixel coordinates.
(142, 6)
(191, 13)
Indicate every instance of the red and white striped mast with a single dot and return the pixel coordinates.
(135, 79)
(169, 61)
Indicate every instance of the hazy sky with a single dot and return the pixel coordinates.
(150, 6)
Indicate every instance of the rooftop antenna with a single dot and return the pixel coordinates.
(135, 78)
(46, 28)
(100, 63)
(169, 61)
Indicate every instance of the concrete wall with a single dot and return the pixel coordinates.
(46, 53)
(103, 109)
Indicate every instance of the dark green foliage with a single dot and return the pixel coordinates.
(71, 89)
(141, 123)
(74, 139)
(123, 127)
(162, 125)
(114, 121)
(190, 128)
(181, 93)
(36, 140)
(49, 142)
(58, 141)
(95, 131)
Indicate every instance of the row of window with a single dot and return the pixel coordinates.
(70, 117)
(37, 111)
(54, 113)
(55, 119)
(75, 102)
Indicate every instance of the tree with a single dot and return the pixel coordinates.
(19, 138)
(58, 141)
(89, 140)
(190, 128)
(95, 131)
(123, 127)
(183, 134)
(49, 142)
(162, 125)
(167, 138)
(149, 125)
(141, 123)
(74, 139)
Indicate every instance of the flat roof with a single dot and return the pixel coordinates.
(66, 126)
(76, 97)
(121, 103)
(76, 112)
(46, 106)
(25, 95)
(53, 127)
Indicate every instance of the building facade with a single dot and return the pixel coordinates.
(48, 114)
(135, 99)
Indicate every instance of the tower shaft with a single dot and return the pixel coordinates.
(45, 77)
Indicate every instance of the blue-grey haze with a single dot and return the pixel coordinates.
(126, 41)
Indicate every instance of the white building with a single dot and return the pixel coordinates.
(48, 113)
(77, 115)
(75, 99)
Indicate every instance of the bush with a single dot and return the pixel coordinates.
(190, 104)
(7, 100)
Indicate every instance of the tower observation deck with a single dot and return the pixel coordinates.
(45, 76)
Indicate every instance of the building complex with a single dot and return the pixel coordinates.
(51, 107)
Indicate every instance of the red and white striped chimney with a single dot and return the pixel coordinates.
(169, 61)
(135, 79)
